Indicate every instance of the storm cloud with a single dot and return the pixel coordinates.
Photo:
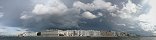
(38, 15)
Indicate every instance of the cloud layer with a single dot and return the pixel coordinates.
(118, 15)
(95, 5)
(55, 14)
(10, 31)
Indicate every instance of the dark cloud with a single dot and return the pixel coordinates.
(116, 15)
(12, 10)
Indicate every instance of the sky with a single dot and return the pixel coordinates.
(132, 16)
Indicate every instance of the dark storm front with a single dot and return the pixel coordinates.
(72, 38)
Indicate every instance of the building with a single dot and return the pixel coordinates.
(108, 34)
(122, 34)
(28, 34)
(48, 33)
(78, 33)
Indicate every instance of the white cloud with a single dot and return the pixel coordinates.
(132, 27)
(10, 31)
(148, 20)
(128, 10)
(100, 4)
(1, 7)
(52, 12)
(41, 9)
(88, 15)
(49, 7)
(144, 1)
(100, 14)
(130, 7)
(113, 14)
(84, 6)
(97, 4)
(52, 7)
(1, 14)
(122, 24)
(25, 17)
(147, 26)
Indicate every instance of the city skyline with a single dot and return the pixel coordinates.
(133, 16)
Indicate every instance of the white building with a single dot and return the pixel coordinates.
(69, 33)
(28, 34)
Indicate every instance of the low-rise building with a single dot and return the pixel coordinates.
(71, 33)
(28, 34)
(49, 33)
